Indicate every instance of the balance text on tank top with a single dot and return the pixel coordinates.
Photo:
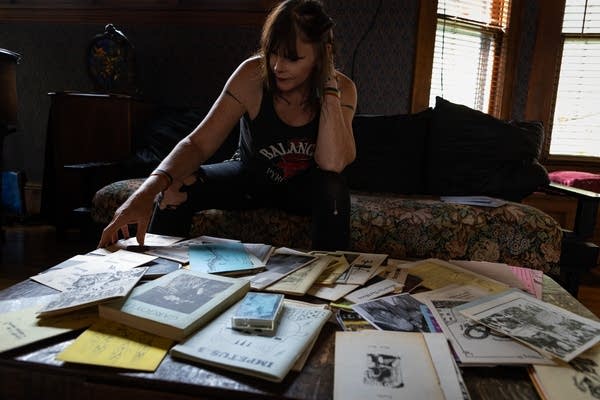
(277, 150)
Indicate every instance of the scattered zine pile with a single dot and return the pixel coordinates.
(406, 329)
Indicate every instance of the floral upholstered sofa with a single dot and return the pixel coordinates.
(404, 164)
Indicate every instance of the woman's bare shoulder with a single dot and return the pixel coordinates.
(249, 71)
(246, 82)
(344, 82)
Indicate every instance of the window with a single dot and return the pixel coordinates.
(576, 117)
(468, 52)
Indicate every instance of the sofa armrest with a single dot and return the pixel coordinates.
(587, 207)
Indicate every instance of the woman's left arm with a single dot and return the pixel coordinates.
(335, 147)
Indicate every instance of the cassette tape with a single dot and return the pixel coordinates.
(258, 311)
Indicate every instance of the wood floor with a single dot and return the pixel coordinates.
(28, 250)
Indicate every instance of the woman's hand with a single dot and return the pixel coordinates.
(137, 210)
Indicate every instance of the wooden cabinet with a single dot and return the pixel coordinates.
(87, 136)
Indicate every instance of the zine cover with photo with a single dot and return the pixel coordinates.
(394, 313)
(176, 304)
(183, 294)
(547, 328)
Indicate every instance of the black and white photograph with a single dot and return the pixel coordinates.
(279, 266)
(184, 293)
(394, 313)
(540, 325)
(477, 344)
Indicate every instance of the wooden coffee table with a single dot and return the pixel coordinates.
(33, 373)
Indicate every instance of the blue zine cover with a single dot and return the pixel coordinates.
(217, 258)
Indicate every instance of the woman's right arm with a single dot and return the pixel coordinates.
(186, 157)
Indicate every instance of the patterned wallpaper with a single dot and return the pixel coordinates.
(186, 65)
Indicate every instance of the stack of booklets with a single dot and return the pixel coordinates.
(408, 326)
(269, 357)
(177, 304)
(91, 282)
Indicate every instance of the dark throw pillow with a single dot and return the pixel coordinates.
(473, 153)
(160, 135)
(390, 152)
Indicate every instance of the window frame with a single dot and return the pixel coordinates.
(501, 96)
(543, 84)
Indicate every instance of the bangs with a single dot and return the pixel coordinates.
(282, 40)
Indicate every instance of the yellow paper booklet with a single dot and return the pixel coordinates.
(22, 327)
(297, 283)
(114, 345)
(438, 273)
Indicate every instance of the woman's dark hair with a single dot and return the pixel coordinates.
(290, 20)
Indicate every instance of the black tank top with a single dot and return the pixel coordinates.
(273, 149)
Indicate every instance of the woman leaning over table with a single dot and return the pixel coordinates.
(295, 112)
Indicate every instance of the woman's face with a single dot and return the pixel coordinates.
(291, 74)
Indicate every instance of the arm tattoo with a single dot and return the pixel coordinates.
(227, 92)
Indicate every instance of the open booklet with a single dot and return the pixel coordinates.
(395, 365)
(550, 330)
(474, 344)
(579, 379)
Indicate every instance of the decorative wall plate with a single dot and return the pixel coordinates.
(110, 61)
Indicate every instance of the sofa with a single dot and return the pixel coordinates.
(404, 164)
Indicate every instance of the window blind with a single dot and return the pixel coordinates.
(576, 119)
(468, 52)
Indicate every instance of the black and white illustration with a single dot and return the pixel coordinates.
(362, 267)
(580, 379)
(540, 325)
(383, 370)
(475, 343)
(90, 289)
(394, 313)
(541, 328)
(375, 364)
(587, 376)
(184, 293)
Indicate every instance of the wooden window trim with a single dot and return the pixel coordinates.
(545, 57)
(541, 95)
(423, 63)
(426, 27)
(513, 38)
